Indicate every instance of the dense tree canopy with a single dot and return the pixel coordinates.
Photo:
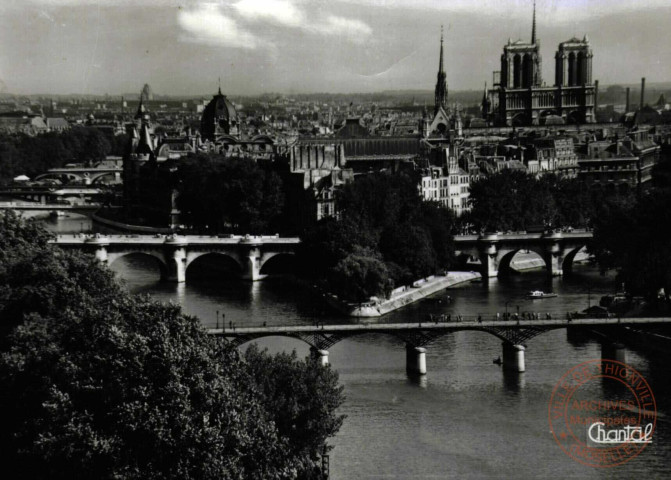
(516, 200)
(386, 236)
(98, 383)
(632, 234)
(31, 155)
(229, 195)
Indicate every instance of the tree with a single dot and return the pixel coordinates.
(633, 237)
(98, 383)
(409, 246)
(229, 194)
(301, 397)
(357, 278)
(497, 202)
(330, 241)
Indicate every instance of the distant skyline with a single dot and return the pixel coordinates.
(294, 46)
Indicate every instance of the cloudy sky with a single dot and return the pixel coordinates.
(256, 46)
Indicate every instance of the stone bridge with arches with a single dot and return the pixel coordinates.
(496, 250)
(85, 175)
(513, 334)
(175, 253)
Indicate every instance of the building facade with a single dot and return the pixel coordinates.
(520, 97)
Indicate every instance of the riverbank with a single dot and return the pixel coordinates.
(400, 297)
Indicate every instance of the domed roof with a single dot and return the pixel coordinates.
(223, 108)
(218, 116)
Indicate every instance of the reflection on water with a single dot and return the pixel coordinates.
(467, 418)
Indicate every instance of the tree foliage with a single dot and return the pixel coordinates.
(98, 383)
(229, 195)
(386, 236)
(516, 200)
(632, 234)
(33, 155)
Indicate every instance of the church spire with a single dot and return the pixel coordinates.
(533, 26)
(440, 65)
(441, 83)
(219, 85)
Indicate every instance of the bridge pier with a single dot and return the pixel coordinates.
(513, 357)
(613, 351)
(176, 263)
(321, 357)
(415, 360)
(251, 270)
(553, 263)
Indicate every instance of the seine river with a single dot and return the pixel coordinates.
(466, 418)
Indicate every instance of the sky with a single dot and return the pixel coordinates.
(182, 47)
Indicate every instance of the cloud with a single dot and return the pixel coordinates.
(279, 11)
(208, 25)
(564, 11)
(353, 29)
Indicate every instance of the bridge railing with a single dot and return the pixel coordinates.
(432, 321)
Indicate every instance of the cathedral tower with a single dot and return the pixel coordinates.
(521, 62)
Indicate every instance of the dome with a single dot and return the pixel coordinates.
(219, 117)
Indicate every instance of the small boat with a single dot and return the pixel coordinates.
(497, 361)
(540, 294)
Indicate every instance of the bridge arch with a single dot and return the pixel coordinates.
(105, 178)
(157, 259)
(507, 257)
(279, 262)
(221, 261)
(567, 265)
(60, 176)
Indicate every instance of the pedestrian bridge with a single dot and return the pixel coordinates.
(175, 253)
(496, 250)
(513, 334)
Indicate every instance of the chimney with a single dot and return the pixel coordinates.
(642, 91)
(626, 105)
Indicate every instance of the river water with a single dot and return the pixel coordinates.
(466, 418)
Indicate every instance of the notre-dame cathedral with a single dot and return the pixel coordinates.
(521, 97)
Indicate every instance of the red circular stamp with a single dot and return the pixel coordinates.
(602, 413)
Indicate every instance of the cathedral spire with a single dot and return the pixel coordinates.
(441, 83)
(219, 85)
(533, 26)
(440, 64)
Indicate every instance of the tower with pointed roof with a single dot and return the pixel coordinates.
(520, 97)
(521, 61)
(441, 82)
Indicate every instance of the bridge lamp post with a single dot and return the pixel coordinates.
(217, 319)
(507, 302)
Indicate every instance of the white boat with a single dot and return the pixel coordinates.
(540, 294)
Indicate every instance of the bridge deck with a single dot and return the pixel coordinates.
(48, 206)
(440, 326)
(74, 240)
